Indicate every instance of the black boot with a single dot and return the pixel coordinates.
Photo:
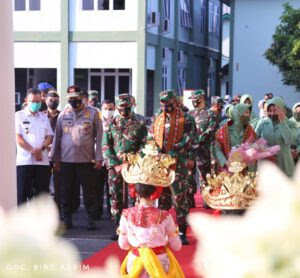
(91, 224)
(182, 235)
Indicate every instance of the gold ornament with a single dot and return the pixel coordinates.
(231, 190)
(153, 168)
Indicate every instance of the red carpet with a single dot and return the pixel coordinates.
(184, 256)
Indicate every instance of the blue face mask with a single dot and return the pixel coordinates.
(34, 106)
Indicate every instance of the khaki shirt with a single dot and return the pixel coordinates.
(78, 136)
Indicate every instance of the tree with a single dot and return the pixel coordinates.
(285, 49)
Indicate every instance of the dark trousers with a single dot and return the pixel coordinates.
(32, 178)
(85, 173)
(57, 186)
(101, 181)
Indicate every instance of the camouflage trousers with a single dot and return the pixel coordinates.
(181, 199)
(204, 167)
(192, 189)
(115, 182)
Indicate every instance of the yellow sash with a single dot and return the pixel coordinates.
(151, 263)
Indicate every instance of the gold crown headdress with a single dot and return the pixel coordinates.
(153, 168)
(231, 190)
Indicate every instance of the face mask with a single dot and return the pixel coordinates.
(53, 105)
(34, 106)
(107, 114)
(274, 118)
(132, 108)
(43, 106)
(167, 108)
(196, 103)
(297, 116)
(245, 120)
(125, 112)
(75, 103)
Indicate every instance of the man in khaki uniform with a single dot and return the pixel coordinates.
(78, 130)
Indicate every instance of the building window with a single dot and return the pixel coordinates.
(34, 5)
(103, 4)
(218, 16)
(210, 17)
(109, 82)
(119, 4)
(87, 5)
(185, 14)
(20, 5)
(100, 5)
(166, 9)
(164, 78)
(181, 79)
(203, 16)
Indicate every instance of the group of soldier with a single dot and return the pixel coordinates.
(90, 143)
(185, 135)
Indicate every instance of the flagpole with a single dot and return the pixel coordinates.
(8, 190)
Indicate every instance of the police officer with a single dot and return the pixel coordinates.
(78, 130)
(125, 134)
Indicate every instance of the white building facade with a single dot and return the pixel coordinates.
(118, 46)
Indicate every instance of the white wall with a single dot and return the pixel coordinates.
(151, 50)
(38, 55)
(104, 20)
(47, 19)
(226, 41)
(254, 25)
(8, 188)
(104, 55)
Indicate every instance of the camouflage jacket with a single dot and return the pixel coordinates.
(186, 148)
(207, 124)
(123, 136)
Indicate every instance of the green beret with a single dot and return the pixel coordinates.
(123, 100)
(197, 94)
(167, 95)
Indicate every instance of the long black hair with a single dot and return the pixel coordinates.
(144, 190)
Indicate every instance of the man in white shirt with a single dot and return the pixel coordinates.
(33, 136)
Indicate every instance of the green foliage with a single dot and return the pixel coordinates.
(285, 49)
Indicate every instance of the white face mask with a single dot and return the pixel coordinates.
(107, 114)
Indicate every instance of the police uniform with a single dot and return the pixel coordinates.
(124, 135)
(77, 133)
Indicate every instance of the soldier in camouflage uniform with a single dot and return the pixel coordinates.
(207, 125)
(217, 104)
(125, 134)
(174, 133)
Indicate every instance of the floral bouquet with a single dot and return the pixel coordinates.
(252, 152)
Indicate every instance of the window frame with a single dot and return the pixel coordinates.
(117, 73)
(34, 10)
(185, 14)
(20, 10)
(111, 5)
